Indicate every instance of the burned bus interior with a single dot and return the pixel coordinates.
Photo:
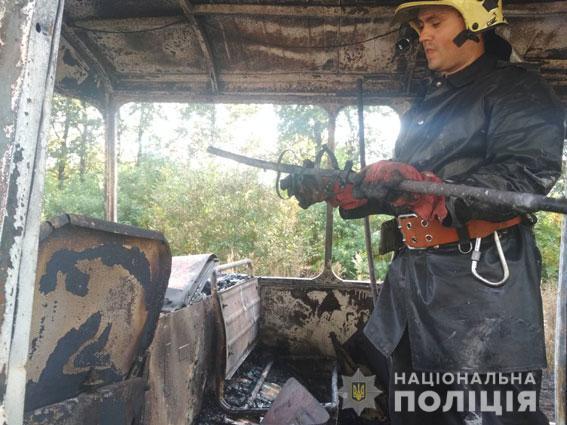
(121, 332)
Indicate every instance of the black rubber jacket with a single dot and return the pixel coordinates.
(491, 125)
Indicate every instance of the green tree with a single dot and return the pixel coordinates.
(74, 163)
(66, 118)
(302, 129)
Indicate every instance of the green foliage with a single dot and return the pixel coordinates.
(548, 236)
(79, 197)
(137, 183)
(74, 180)
(168, 183)
(230, 214)
(349, 251)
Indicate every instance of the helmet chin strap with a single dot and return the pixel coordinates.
(465, 35)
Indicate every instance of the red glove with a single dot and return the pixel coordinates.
(343, 197)
(425, 206)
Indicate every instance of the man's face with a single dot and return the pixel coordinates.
(438, 26)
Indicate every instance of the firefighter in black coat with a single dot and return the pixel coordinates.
(462, 295)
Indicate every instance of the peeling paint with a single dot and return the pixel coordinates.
(11, 231)
(2, 10)
(240, 307)
(8, 131)
(117, 404)
(97, 299)
(26, 12)
(300, 316)
(5, 163)
(183, 341)
(275, 58)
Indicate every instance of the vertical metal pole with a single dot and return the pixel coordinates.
(332, 112)
(560, 333)
(110, 173)
(367, 232)
(28, 60)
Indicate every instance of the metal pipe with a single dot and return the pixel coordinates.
(525, 202)
(110, 173)
(328, 263)
(367, 232)
(235, 264)
(560, 334)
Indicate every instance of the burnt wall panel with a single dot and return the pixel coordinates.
(298, 317)
(99, 289)
(116, 404)
(181, 357)
(240, 307)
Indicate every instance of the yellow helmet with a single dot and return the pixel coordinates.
(479, 15)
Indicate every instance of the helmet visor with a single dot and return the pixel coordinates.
(408, 12)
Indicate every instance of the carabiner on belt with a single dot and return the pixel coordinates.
(476, 258)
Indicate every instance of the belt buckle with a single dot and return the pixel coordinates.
(399, 220)
(424, 223)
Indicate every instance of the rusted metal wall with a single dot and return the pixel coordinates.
(180, 364)
(299, 315)
(98, 293)
(29, 36)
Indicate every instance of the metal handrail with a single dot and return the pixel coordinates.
(234, 265)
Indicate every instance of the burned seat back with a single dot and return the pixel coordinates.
(98, 294)
(240, 316)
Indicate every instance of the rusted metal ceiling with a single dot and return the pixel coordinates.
(307, 52)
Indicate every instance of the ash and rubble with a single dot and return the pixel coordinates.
(312, 372)
(227, 280)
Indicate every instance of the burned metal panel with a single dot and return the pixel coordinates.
(29, 36)
(298, 316)
(240, 307)
(74, 75)
(189, 274)
(151, 52)
(260, 88)
(116, 404)
(326, 99)
(296, 44)
(98, 293)
(180, 364)
(170, 50)
(540, 38)
(86, 9)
